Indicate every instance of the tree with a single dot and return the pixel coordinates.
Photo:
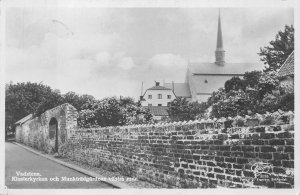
(22, 99)
(80, 102)
(235, 83)
(181, 110)
(274, 55)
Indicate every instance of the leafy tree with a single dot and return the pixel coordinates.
(235, 83)
(181, 110)
(22, 99)
(279, 49)
(80, 102)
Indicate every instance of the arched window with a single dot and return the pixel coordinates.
(53, 125)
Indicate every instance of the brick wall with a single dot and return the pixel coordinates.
(195, 154)
(35, 132)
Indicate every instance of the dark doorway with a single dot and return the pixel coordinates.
(53, 132)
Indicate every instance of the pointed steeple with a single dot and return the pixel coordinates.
(220, 52)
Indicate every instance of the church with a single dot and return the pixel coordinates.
(202, 79)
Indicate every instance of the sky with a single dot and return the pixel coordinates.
(111, 51)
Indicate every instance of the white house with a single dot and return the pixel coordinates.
(157, 96)
(156, 99)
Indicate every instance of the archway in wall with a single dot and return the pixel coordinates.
(53, 132)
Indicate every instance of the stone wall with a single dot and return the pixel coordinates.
(35, 132)
(241, 152)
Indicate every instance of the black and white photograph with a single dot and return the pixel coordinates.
(168, 96)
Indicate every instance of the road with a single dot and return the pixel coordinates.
(18, 159)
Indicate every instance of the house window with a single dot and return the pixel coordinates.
(149, 104)
(149, 96)
(159, 104)
(169, 96)
(159, 96)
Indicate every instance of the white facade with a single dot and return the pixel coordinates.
(158, 97)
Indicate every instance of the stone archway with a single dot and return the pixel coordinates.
(53, 132)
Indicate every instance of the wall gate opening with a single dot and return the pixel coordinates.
(53, 132)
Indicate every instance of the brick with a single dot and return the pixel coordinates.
(267, 149)
(196, 157)
(192, 166)
(284, 135)
(289, 149)
(219, 159)
(211, 175)
(221, 164)
(214, 147)
(282, 185)
(277, 142)
(289, 141)
(242, 160)
(265, 155)
(220, 176)
(211, 164)
(230, 171)
(278, 170)
(289, 164)
(218, 170)
(231, 160)
(260, 129)
(281, 156)
(249, 155)
(276, 162)
(248, 174)
(237, 154)
(225, 148)
(226, 153)
(236, 148)
(235, 136)
(247, 142)
(257, 142)
(237, 166)
(267, 135)
(248, 148)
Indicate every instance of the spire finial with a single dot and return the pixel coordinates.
(220, 52)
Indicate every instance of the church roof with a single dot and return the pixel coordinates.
(288, 66)
(158, 110)
(228, 68)
(180, 89)
(219, 37)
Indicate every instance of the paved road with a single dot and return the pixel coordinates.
(20, 159)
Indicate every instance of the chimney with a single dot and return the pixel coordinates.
(156, 83)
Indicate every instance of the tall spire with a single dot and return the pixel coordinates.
(220, 52)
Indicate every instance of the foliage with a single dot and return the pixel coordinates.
(22, 99)
(181, 110)
(235, 83)
(258, 92)
(113, 112)
(80, 102)
(279, 49)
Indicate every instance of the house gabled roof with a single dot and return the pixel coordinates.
(23, 120)
(158, 110)
(287, 68)
(159, 88)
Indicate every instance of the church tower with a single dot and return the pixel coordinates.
(220, 52)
